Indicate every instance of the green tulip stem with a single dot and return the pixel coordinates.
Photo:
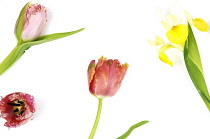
(92, 133)
(14, 55)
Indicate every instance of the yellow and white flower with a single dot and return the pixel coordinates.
(162, 47)
(176, 25)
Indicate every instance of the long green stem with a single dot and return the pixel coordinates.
(14, 55)
(92, 133)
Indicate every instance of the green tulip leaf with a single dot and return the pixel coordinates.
(52, 37)
(127, 133)
(19, 50)
(20, 22)
(194, 67)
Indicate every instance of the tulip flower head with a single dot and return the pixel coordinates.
(32, 21)
(30, 24)
(17, 109)
(105, 77)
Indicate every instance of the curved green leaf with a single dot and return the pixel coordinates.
(19, 22)
(55, 36)
(194, 67)
(127, 133)
(19, 50)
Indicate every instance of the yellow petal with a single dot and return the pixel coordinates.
(163, 57)
(166, 47)
(200, 24)
(178, 34)
(151, 42)
(159, 40)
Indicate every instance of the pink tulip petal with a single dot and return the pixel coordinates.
(99, 82)
(34, 23)
(91, 71)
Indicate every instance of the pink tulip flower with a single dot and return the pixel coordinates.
(33, 23)
(17, 109)
(105, 77)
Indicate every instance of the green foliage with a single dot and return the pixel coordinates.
(127, 133)
(20, 49)
(194, 67)
(19, 23)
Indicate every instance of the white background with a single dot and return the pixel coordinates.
(55, 73)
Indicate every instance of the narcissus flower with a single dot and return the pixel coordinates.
(181, 33)
(177, 33)
(17, 109)
(105, 77)
(32, 20)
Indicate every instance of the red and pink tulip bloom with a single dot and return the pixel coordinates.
(17, 109)
(105, 77)
(33, 21)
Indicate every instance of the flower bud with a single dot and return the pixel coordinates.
(17, 109)
(31, 22)
(105, 77)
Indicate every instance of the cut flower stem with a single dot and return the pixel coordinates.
(92, 133)
(14, 55)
